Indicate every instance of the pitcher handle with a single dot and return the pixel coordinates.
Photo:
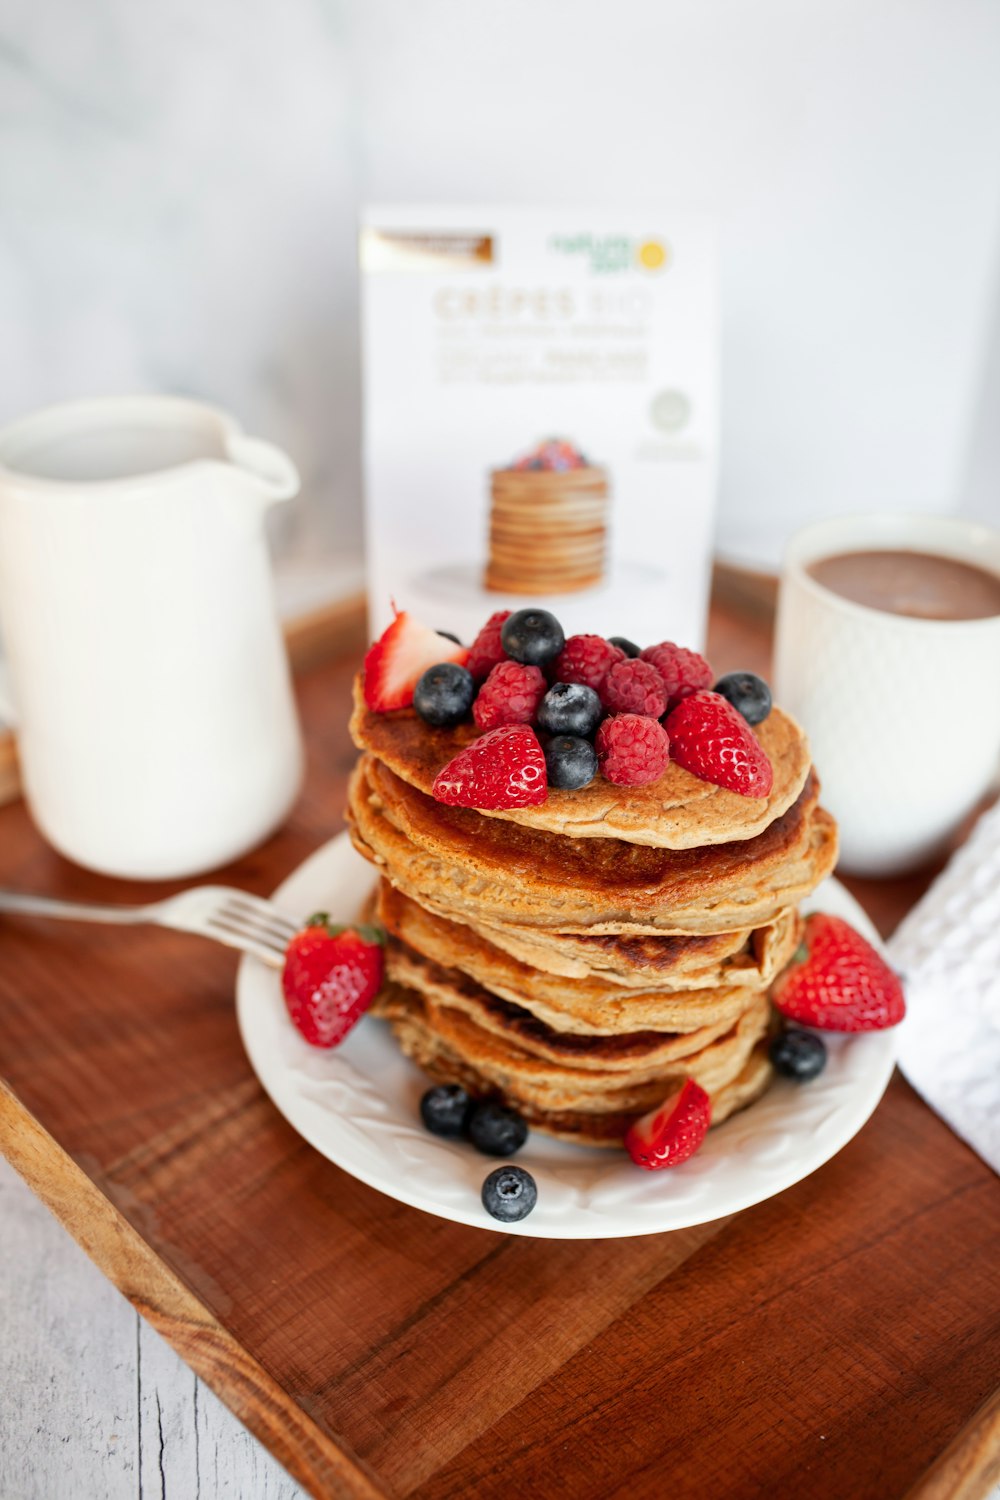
(266, 463)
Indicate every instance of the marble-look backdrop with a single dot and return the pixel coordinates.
(179, 181)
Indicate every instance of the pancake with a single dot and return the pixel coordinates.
(639, 1053)
(479, 869)
(749, 958)
(678, 811)
(584, 1007)
(589, 1106)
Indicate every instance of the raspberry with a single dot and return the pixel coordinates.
(634, 687)
(486, 650)
(586, 659)
(683, 671)
(510, 695)
(632, 749)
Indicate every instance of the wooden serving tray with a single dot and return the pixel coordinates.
(841, 1340)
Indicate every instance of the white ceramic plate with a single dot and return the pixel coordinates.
(358, 1105)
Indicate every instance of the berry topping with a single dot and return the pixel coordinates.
(632, 749)
(486, 650)
(624, 644)
(444, 694)
(714, 742)
(673, 1132)
(532, 636)
(450, 636)
(510, 695)
(331, 976)
(838, 982)
(509, 1194)
(571, 762)
(570, 708)
(399, 658)
(505, 768)
(748, 693)
(683, 671)
(496, 1130)
(798, 1054)
(586, 659)
(634, 687)
(445, 1110)
(554, 456)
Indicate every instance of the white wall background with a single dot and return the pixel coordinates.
(179, 182)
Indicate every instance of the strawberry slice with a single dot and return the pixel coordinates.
(505, 768)
(673, 1131)
(838, 982)
(400, 657)
(712, 740)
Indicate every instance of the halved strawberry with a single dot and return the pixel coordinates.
(505, 768)
(673, 1131)
(709, 738)
(400, 657)
(838, 982)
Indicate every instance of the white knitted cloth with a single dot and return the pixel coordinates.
(948, 951)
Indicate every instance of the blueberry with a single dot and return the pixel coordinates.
(448, 636)
(624, 644)
(509, 1194)
(496, 1130)
(571, 762)
(445, 1110)
(570, 708)
(798, 1054)
(444, 694)
(748, 693)
(532, 637)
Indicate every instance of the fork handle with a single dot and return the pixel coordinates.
(74, 911)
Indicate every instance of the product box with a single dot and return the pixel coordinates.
(540, 416)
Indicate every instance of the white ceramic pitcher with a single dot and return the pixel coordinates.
(148, 678)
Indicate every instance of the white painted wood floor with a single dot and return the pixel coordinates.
(93, 1404)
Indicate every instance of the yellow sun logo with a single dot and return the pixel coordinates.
(652, 255)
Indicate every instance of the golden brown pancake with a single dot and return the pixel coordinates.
(590, 1106)
(749, 957)
(678, 811)
(589, 1007)
(637, 1053)
(483, 870)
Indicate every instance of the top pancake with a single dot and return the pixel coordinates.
(678, 811)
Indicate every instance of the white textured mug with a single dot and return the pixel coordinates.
(149, 683)
(903, 714)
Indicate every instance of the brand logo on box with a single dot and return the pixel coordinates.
(608, 254)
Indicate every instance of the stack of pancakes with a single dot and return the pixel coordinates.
(579, 959)
(548, 530)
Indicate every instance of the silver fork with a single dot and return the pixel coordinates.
(228, 916)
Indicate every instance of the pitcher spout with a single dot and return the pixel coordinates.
(272, 472)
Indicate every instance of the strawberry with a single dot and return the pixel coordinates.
(400, 657)
(505, 768)
(838, 982)
(331, 976)
(673, 1131)
(709, 738)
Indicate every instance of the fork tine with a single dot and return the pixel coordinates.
(244, 902)
(240, 936)
(276, 930)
